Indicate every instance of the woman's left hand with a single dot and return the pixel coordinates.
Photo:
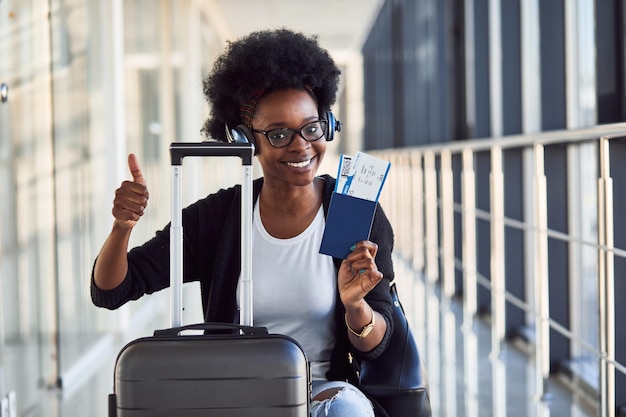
(358, 273)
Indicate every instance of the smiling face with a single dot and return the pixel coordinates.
(297, 163)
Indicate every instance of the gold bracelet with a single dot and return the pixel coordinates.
(366, 330)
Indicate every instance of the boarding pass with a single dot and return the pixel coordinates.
(361, 176)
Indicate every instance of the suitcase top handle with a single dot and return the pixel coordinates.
(209, 327)
(178, 150)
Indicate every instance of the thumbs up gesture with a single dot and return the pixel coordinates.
(131, 199)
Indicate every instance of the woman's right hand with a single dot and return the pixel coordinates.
(131, 199)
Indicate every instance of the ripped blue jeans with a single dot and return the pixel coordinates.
(349, 402)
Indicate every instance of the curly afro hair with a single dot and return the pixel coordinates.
(265, 61)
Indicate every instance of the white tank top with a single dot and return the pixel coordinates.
(294, 289)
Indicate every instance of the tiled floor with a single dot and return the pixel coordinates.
(468, 375)
(466, 378)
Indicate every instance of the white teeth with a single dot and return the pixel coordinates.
(299, 164)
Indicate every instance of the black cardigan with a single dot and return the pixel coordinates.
(211, 254)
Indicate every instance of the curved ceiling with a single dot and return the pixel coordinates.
(340, 24)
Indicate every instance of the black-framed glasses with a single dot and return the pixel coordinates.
(279, 138)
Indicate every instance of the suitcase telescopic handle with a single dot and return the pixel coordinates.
(210, 327)
(179, 150)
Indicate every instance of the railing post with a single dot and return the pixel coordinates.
(542, 294)
(606, 284)
(405, 210)
(498, 300)
(417, 188)
(430, 202)
(446, 191)
(469, 235)
(390, 198)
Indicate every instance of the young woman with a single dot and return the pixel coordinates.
(280, 86)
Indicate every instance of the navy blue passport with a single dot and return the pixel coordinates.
(349, 221)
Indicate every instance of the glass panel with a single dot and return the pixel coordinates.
(56, 160)
(27, 261)
(141, 24)
(80, 152)
(169, 47)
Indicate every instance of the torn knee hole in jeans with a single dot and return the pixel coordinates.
(327, 403)
(331, 399)
(347, 399)
(327, 399)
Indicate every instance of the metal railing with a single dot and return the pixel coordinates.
(420, 202)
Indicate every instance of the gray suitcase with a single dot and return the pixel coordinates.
(239, 370)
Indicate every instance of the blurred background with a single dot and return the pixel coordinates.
(502, 119)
